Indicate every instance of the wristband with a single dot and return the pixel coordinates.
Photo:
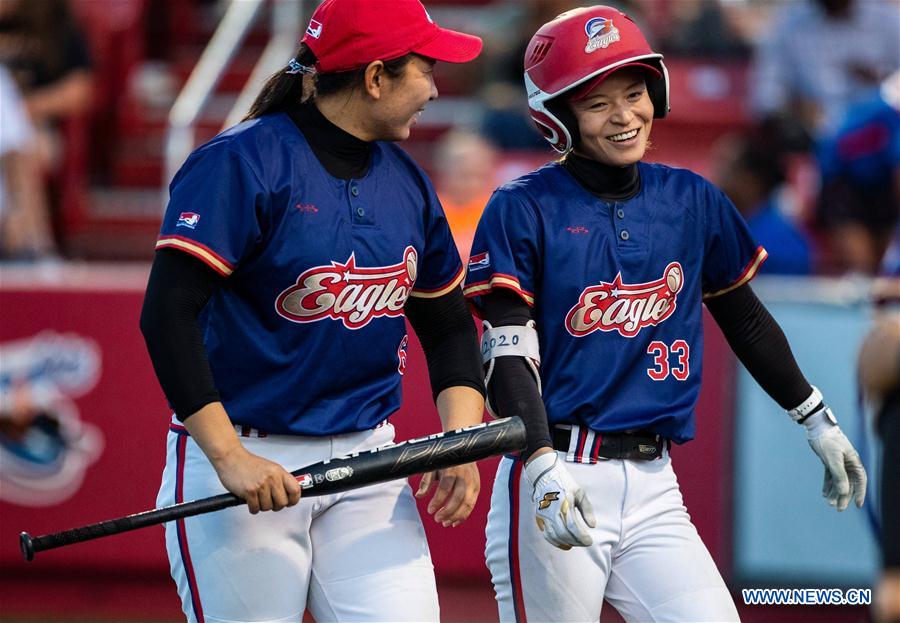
(815, 402)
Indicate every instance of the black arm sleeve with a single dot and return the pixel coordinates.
(889, 496)
(760, 344)
(449, 339)
(179, 287)
(513, 390)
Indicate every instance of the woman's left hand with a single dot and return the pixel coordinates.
(455, 495)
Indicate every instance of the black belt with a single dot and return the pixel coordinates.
(633, 445)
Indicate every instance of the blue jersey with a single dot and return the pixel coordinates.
(307, 335)
(617, 289)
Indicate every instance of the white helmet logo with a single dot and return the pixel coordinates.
(314, 29)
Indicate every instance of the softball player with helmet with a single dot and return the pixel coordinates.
(293, 246)
(590, 274)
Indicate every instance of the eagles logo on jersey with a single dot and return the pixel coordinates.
(349, 293)
(626, 308)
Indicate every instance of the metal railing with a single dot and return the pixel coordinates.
(225, 42)
(286, 27)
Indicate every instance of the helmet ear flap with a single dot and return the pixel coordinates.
(658, 90)
(560, 109)
(553, 130)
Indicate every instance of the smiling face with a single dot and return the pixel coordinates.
(614, 119)
(402, 100)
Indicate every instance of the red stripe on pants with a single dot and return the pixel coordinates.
(182, 533)
(582, 438)
(515, 477)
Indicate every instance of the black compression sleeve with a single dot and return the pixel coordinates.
(513, 390)
(179, 287)
(448, 336)
(760, 344)
(889, 496)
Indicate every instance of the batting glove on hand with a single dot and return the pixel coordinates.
(563, 512)
(845, 476)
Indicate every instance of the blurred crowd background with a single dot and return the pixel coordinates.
(786, 105)
(790, 106)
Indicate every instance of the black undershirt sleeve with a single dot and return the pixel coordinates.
(889, 431)
(178, 289)
(512, 389)
(449, 339)
(760, 344)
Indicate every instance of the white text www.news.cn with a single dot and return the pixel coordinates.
(806, 596)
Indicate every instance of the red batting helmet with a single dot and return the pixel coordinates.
(575, 49)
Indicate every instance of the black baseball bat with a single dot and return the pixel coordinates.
(400, 460)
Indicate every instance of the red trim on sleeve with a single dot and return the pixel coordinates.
(746, 275)
(198, 250)
(441, 290)
(498, 280)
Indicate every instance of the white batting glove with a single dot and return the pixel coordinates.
(562, 510)
(845, 476)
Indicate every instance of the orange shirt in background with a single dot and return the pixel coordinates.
(463, 219)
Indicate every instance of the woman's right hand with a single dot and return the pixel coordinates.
(263, 484)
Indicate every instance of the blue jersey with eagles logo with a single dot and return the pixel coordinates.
(307, 334)
(617, 289)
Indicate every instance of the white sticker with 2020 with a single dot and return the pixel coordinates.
(513, 340)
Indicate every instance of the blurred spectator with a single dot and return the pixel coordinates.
(47, 54)
(703, 28)
(821, 54)
(878, 370)
(465, 178)
(507, 123)
(24, 223)
(859, 204)
(752, 174)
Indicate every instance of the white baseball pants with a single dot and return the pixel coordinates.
(354, 556)
(647, 559)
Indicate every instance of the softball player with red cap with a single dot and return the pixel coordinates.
(591, 273)
(293, 247)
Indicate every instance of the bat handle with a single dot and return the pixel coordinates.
(32, 545)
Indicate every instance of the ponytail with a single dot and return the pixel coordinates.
(284, 90)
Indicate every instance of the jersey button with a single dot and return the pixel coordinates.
(624, 235)
(360, 212)
(355, 192)
(620, 213)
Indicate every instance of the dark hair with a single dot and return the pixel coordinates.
(762, 160)
(45, 25)
(283, 90)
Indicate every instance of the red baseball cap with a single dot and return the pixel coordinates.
(346, 34)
